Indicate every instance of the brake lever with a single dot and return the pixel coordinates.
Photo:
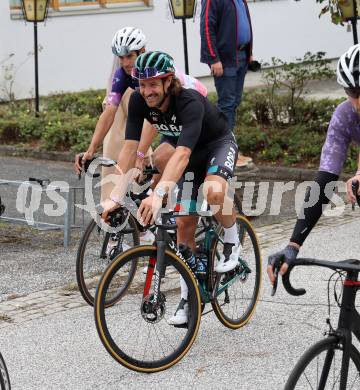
(355, 189)
(276, 275)
(85, 167)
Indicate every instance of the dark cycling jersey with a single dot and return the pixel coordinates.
(191, 120)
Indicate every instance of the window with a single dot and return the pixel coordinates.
(68, 7)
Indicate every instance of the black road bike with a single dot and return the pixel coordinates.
(97, 248)
(334, 362)
(136, 330)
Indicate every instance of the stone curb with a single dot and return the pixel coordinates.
(14, 151)
(249, 172)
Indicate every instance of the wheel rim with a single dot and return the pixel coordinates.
(134, 341)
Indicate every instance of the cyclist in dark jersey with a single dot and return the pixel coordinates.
(127, 44)
(203, 145)
(344, 127)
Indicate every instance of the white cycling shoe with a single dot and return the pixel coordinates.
(113, 244)
(229, 259)
(147, 238)
(181, 315)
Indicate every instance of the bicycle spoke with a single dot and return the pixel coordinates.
(138, 325)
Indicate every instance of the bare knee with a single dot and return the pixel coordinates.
(214, 197)
(162, 155)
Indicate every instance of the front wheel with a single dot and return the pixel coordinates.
(320, 367)
(237, 292)
(4, 375)
(136, 331)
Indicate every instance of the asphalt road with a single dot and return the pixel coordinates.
(62, 351)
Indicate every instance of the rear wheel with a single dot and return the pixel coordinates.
(136, 330)
(237, 291)
(96, 250)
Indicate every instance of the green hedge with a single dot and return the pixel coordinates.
(265, 128)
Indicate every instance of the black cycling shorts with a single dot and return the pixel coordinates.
(216, 158)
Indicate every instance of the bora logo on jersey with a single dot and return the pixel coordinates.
(171, 130)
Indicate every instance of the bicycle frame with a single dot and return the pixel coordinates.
(207, 286)
(349, 322)
(349, 318)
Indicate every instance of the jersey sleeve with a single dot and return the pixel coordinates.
(192, 115)
(188, 81)
(335, 148)
(136, 116)
(120, 84)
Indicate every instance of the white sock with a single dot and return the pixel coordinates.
(231, 235)
(184, 289)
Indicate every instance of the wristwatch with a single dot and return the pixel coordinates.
(160, 192)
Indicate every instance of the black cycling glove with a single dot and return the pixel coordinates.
(287, 255)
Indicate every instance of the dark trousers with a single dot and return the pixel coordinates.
(229, 88)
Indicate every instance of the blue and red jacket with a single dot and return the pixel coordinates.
(218, 29)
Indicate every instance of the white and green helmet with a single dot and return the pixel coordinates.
(153, 65)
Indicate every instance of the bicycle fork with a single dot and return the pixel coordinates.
(351, 284)
(157, 266)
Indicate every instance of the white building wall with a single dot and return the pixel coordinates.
(76, 51)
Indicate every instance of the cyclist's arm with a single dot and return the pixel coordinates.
(191, 114)
(174, 168)
(147, 137)
(332, 159)
(312, 214)
(103, 126)
(127, 155)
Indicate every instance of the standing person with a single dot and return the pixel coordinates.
(226, 46)
(344, 128)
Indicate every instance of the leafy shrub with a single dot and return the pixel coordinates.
(79, 103)
(9, 130)
(65, 131)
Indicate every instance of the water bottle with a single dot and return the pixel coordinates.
(201, 265)
(188, 256)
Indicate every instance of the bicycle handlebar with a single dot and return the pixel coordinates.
(344, 265)
(107, 162)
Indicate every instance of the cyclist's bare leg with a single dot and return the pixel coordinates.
(186, 231)
(160, 157)
(216, 193)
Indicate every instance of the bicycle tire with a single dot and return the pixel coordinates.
(332, 343)
(4, 375)
(102, 313)
(245, 230)
(88, 284)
